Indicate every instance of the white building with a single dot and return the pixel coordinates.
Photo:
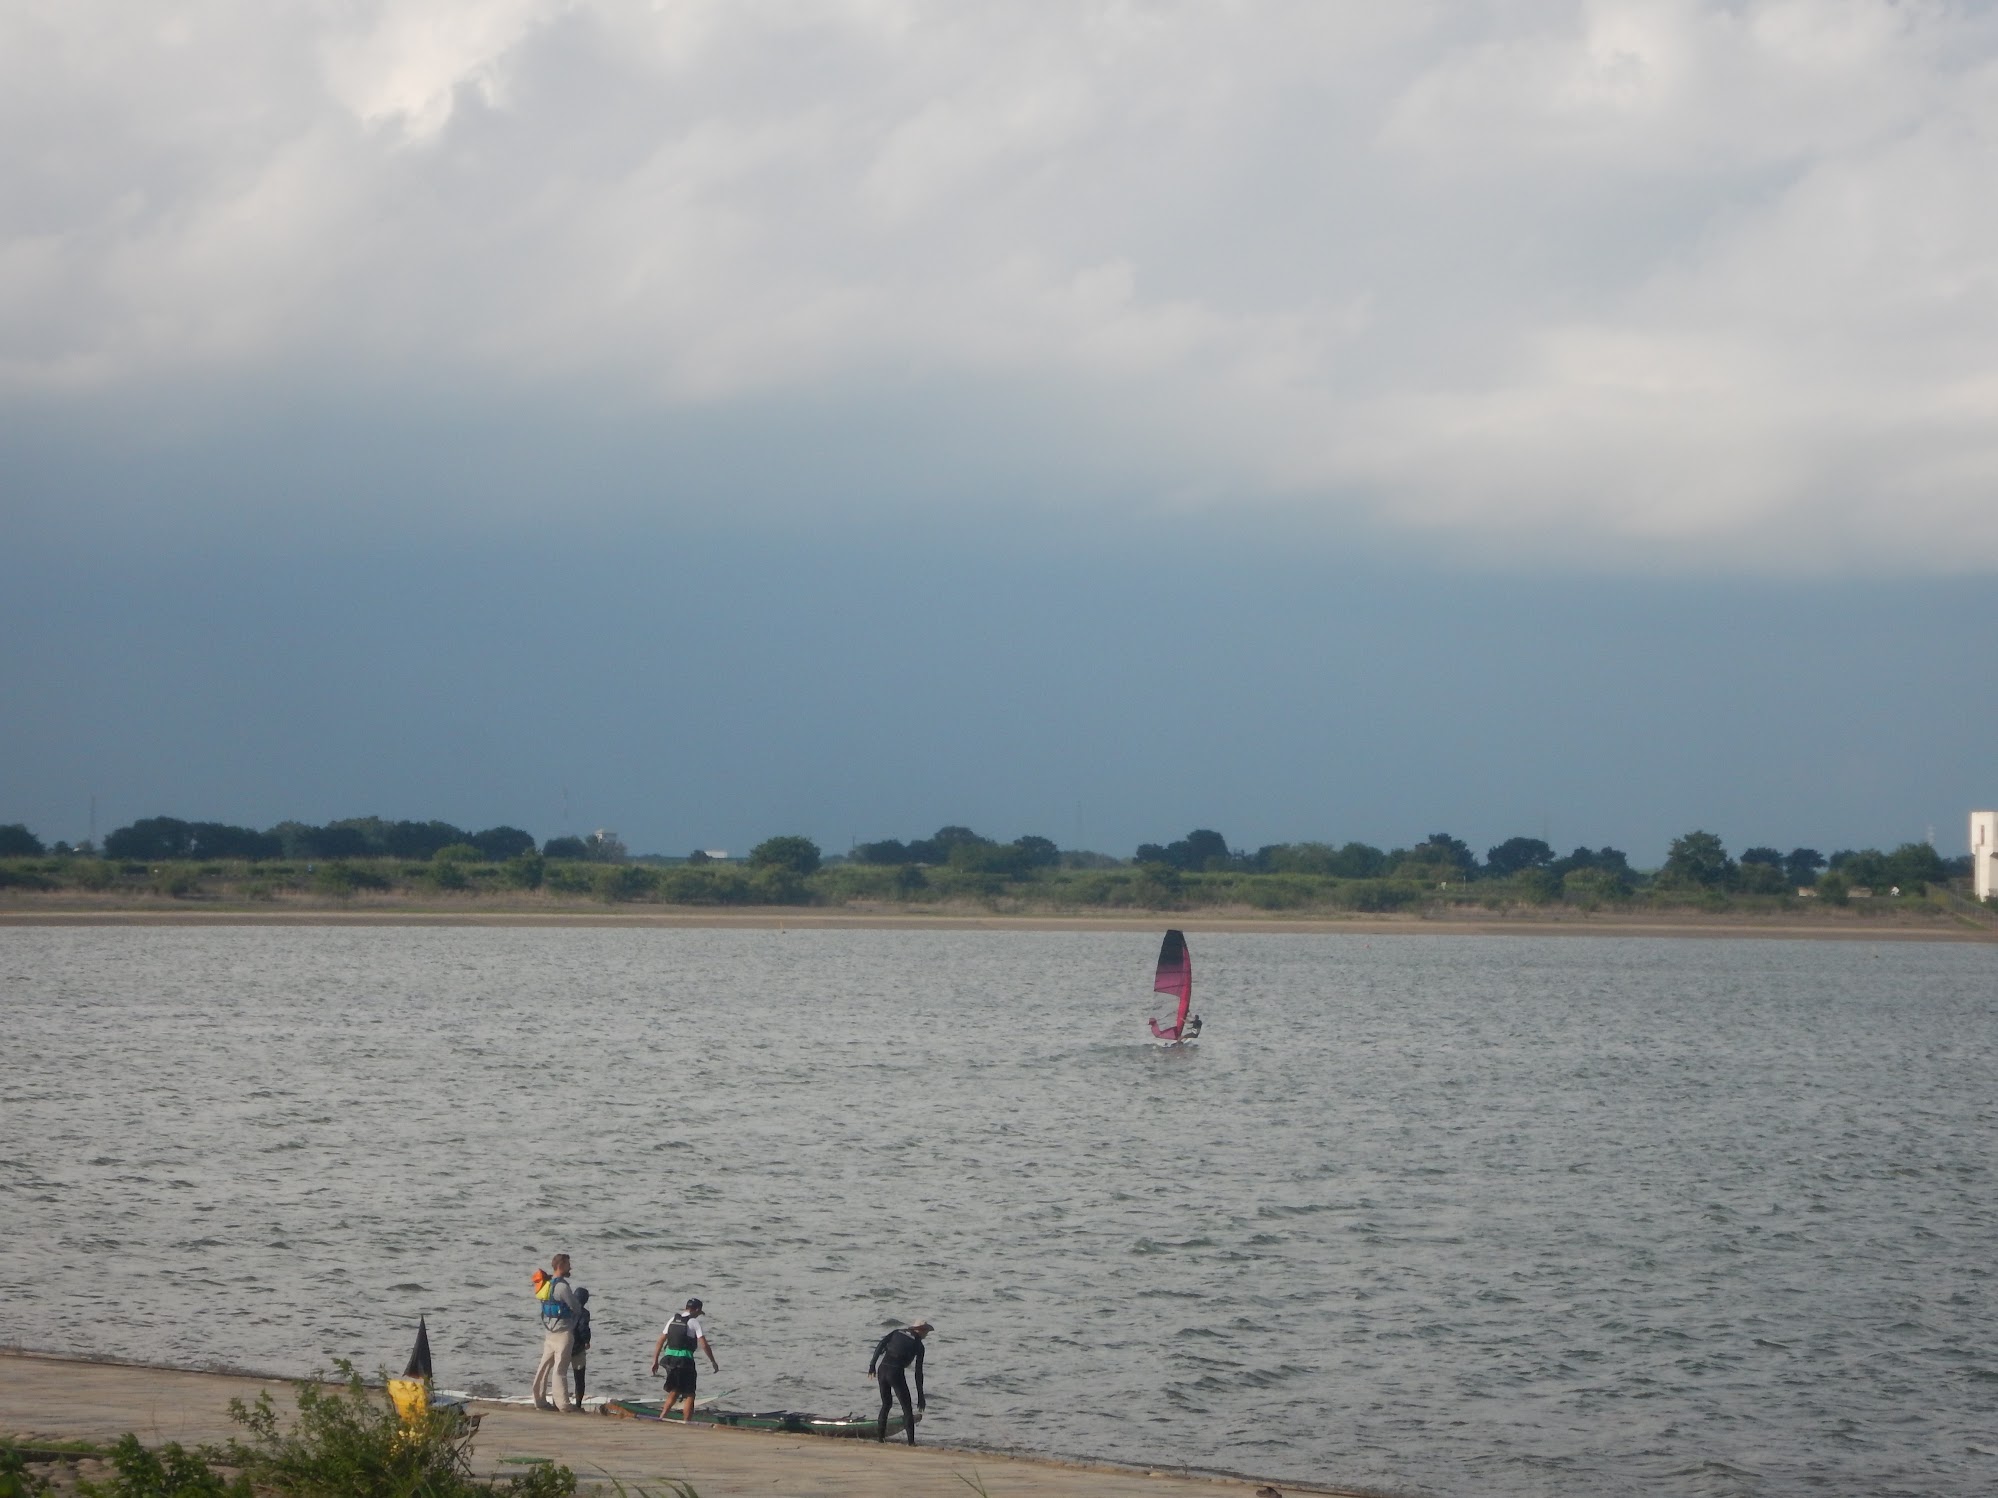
(1984, 853)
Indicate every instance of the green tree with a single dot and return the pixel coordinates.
(17, 842)
(498, 844)
(1006, 860)
(150, 839)
(1452, 857)
(1516, 855)
(937, 848)
(1200, 850)
(1699, 860)
(800, 855)
(1862, 868)
(1914, 867)
(1801, 865)
(1039, 852)
(565, 847)
(1762, 877)
(1358, 861)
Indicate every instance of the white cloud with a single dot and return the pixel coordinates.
(1708, 283)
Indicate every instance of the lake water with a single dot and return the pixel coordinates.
(1452, 1215)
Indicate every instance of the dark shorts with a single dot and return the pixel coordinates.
(679, 1375)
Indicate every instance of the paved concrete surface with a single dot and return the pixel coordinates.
(54, 1399)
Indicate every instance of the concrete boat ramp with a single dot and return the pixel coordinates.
(50, 1400)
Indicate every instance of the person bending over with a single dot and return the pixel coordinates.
(894, 1355)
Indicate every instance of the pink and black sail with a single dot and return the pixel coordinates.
(1175, 976)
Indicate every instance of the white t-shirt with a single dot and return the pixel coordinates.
(694, 1329)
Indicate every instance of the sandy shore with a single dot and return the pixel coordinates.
(51, 1400)
(1830, 925)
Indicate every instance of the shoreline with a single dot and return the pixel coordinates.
(1842, 926)
(47, 1401)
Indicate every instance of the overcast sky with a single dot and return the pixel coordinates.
(712, 420)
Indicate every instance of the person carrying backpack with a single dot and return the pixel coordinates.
(558, 1330)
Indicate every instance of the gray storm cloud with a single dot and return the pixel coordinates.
(1711, 283)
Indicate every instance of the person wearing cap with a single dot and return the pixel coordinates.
(900, 1350)
(676, 1345)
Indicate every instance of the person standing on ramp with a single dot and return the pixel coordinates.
(675, 1348)
(894, 1354)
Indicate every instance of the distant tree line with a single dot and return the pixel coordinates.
(961, 848)
(956, 863)
(164, 839)
(1437, 858)
(157, 838)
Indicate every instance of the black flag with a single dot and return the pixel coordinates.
(419, 1357)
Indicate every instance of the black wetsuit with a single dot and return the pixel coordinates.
(892, 1355)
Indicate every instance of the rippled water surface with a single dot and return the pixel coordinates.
(1426, 1215)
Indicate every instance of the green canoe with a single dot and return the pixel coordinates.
(790, 1420)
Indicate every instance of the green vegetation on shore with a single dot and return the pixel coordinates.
(957, 868)
(346, 1442)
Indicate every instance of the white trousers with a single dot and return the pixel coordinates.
(551, 1375)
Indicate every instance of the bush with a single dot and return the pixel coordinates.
(625, 881)
(447, 873)
(170, 1472)
(176, 881)
(349, 1442)
(778, 885)
(798, 855)
(1372, 896)
(1285, 891)
(703, 885)
(1590, 888)
(567, 878)
(525, 871)
(342, 879)
(90, 873)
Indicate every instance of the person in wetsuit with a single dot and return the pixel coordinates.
(893, 1355)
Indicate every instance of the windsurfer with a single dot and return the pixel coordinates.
(1192, 1030)
(894, 1353)
(1175, 977)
